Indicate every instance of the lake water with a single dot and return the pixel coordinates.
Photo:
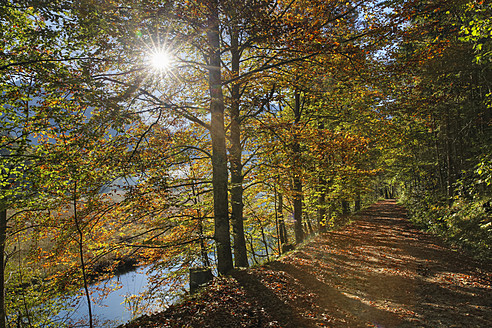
(115, 308)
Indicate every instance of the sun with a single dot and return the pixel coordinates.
(160, 60)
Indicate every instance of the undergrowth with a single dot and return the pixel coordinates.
(466, 224)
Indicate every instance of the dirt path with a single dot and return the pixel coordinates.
(378, 271)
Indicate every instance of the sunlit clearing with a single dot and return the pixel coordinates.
(160, 60)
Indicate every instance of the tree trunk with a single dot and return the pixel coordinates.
(309, 229)
(321, 204)
(449, 160)
(203, 249)
(265, 242)
(346, 206)
(284, 238)
(357, 202)
(80, 242)
(296, 181)
(297, 188)
(322, 194)
(3, 237)
(438, 160)
(237, 219)
(219, 153)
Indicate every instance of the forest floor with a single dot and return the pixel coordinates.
(378, 271)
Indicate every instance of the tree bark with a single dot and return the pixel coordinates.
(438, 159)
(237, 213)
(284, 238)
(297, 188)
(219, 152)
(203, 249)
(321, 213)
(321, 203)
(449, 160)
(80, 242)
(346, 206)
(357, 202)
(296, 181)
(3, 238)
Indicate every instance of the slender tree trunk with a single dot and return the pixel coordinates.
(296, 181)
(299, 233)
(449, 159)
(277, 226)
(265, 243)
(309, 227)
(237, 218)
(321, 204)
(3, 237)
(279, 219)
(458, 146)
(346, 205)
(357, 202)
(321, 213)
(80, 242)
(219, 152)
(438, 159)
(203, 249)
(284, 238)
(253, 254)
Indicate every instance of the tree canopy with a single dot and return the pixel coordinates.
(215, 133)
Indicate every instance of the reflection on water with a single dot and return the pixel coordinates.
(116, 306)
(118, 300)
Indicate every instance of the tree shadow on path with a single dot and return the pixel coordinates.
(343, 308)
(282, 313)
(379, 271)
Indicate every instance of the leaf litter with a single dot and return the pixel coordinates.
(378, 271)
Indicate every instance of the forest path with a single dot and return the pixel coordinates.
(378, 271)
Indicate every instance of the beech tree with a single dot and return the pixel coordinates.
(229, 66)
(224, 28)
